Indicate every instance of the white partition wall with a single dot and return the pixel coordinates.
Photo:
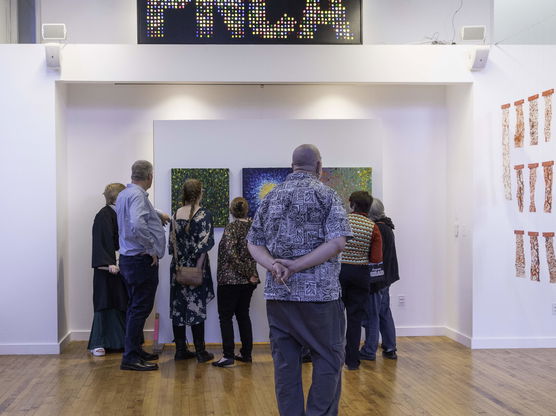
(237, 144)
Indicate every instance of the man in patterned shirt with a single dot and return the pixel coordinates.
(297, 234)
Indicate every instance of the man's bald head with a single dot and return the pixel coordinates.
(306, 157)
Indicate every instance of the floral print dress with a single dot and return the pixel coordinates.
(188, 305)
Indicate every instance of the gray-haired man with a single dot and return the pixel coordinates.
(142, 243)
(297, 234)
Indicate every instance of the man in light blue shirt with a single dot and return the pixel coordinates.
(142, 243)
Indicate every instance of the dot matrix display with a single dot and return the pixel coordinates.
(249, 21)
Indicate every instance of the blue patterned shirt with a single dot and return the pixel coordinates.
(139, 226)
(295, 218)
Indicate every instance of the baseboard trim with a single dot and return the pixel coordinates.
(458, 336)
(479, 343)
(30, 349)
(83, 335)
(420, 331)
(63, 343)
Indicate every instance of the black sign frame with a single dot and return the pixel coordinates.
(180, 25)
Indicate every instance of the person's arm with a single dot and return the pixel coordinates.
(164, 218)
(138, 214)
(265, 259)
(375, 251)
(318, 256)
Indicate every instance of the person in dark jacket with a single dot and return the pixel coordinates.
(109, 292)
(379, 316)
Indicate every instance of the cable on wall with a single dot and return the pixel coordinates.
(454, 21)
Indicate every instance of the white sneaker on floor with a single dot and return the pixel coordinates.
(98, 352)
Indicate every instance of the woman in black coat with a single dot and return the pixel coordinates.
(109, 292)
(379, 315)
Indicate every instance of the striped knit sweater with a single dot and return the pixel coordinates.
(366, 244)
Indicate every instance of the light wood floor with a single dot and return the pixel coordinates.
(433, 376)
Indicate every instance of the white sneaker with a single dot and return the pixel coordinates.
(98, 352)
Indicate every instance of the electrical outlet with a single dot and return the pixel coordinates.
(401, 300)
(554, 309)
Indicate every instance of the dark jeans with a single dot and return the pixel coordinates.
(355, 293)
(141, 280)
(235, 300)
(320, 326)
(379, 318)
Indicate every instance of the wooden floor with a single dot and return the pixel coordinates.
(433, 376)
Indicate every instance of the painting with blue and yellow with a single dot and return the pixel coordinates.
(258, 182)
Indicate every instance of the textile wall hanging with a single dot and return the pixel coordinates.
(532, 184)
(534, 119)
(506, 151)
(216, 191)
(520, 186)
(548, 114)
(550, 258)
(535, 263)
(548, 176)
(520, 124)
(519, 253)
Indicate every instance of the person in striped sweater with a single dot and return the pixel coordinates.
(365, 247)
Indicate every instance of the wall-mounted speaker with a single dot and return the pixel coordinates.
(54, 31)
(52, 55)
(478, 57)
(476, 33)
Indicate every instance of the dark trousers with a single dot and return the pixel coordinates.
(320, 326)
(379, 318)
(355, 293)
(198, 332)
(141, 280)
(235, 300)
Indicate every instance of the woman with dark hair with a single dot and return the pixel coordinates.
(194, 237)
(365, 247)
(109, 292)
(379, 316)
(237, 278)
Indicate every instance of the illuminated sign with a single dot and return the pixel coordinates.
(249, 21)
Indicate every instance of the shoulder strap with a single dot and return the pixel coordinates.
(174, 239)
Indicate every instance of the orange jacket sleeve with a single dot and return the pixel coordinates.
(375, 252)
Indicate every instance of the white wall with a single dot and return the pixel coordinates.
(28, 287)
(384, 22)
(524, 22)
(119, 118)
(459, 163)
(509, 311)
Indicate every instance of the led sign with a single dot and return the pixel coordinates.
(249, 21)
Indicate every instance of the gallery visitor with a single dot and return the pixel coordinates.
(364, 247)
(297, 234)
(379, 317)
(237, 278)
(109, 292)
(142, 243)
(191, 238)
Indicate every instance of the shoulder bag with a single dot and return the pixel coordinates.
(186, 276)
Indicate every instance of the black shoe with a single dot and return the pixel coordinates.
(243, 359)
(363, 356)
(144, 355)
(352, 367)
(204, 356)
(391, 355)
(224, 362)
(139, 365)
(184, 354)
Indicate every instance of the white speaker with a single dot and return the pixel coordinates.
(478, 58)
(476, 33)
(52, 55)
(54, 31)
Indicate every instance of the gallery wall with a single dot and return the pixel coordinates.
(509, 310)
(384, 22)
(108, 127)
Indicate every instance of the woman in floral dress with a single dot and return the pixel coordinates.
(194, 239)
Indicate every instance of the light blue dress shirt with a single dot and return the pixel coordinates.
(139, 226)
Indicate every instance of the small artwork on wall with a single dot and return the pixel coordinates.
(216, 191)
(258, 182)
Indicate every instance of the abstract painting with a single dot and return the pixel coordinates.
(348, 180)
(216, 191)
(258, 182)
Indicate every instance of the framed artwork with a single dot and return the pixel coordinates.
(258, 182)
(216, 191)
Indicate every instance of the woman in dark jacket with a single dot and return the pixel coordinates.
(109, 292)
(379, 316)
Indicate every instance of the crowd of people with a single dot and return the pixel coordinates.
(328, 275)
